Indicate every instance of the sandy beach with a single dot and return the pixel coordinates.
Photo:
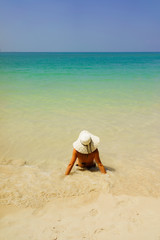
(97, 217)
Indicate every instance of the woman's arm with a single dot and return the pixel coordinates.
(98, 161)
(73, 159)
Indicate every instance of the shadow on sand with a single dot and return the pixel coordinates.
(96, 169)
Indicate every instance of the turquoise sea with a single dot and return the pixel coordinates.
(46, 99)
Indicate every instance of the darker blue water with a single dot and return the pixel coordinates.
(61, 74)
(76, 63)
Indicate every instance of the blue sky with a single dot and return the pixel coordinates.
(80, 26)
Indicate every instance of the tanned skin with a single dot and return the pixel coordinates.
(85, 160)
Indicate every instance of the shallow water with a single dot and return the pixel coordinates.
(48, 98)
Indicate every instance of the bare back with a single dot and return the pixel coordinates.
(85, 160)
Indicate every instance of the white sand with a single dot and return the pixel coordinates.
(96, 217)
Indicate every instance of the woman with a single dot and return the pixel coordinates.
(85, 149)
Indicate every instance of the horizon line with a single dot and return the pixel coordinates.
(79, 51)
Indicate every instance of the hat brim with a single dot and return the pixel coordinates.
(83, 149)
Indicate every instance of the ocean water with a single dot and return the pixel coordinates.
(46, 99)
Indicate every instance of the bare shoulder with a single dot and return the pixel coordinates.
(74, 151)
(96, 151)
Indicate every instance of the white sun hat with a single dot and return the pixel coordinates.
(86, 142)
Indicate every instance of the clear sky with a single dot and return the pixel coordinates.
(79, 25)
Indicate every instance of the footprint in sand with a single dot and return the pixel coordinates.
(93, 212)
(55, 233)
(100, 233)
